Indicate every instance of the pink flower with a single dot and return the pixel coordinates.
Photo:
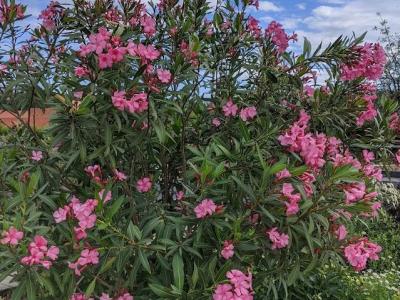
(357, 254)
(223, 292)
(105, 61)
(279, 240)
(227, 252)
(368, 156)
(53, 252)
(38, 251)
(12, 236)
(148, 24)
(206, 208)
(144, 184)
(105, 296)
(89, 257)
(118, 100)
(341, 232)
(37, 155)
(164, 75)
(278, 36)
(398, 157)
(354, 192)
(242, 284)
(119, 176)
(81, 71)
(230, 109)
(80, 296)
(180, 195)
(370, 64)
(283, 174)
(105, 198)
(61, 214)
(125, 296)
(216, 122)
(248, 113)
(292, 206)
(80, 233)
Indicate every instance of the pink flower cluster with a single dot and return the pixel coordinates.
(125, 296)
(50, 15)
(190, 55)
(228, 250)
(369, 96)
(37, 155)
(81, 71)
(11, 237)
(354, 192)
(370, 63)
(8, 10)
(95, 173)
(341, 232)
(292, 206)
(144, 184)
(207, 207)
(148, 24)
(82, 212)
(110, 51)
(40, 254)
(230, 109)
(238, 288)
(311, 147)
(138, 103)
(394, 122)
(253, 26)
(279, 240)
(357, 254)
(283, 174)
(87, 257)
(278, 36)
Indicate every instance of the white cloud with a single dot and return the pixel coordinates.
(327, 22)
(269, 6)
(301, 6)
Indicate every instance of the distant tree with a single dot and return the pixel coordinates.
(390, 81)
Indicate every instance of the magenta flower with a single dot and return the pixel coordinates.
(144, 184)
(354, 192)
(283, 174)
(105, 296)
(125, 296)
(223, 292)
(279, 240)
(37, 155)
(119, 176)
(357, 254)
(61, 214)
(106, 198)
(81, 71)
(248, 113)
(164, 75)
(38, 252)
(230, 109)
(228, 250)
(341, 232)
(180, 195)
(206, 208)
(12, 236)
(216, 122)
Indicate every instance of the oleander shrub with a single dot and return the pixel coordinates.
(192, 154)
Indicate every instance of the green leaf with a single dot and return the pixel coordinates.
(162, 291)
(90, 288)
(178, 270)
(134, 232)
(144, 261)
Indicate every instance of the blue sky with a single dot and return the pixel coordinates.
(318, 20)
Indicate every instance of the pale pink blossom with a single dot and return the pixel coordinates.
(230, 109)
(164, 75)
(119, 176)
(357, 254)
(283, 174)
(248, 113)
(206, 208)
(107, 197)
(341, 232)
(144, 184)
(11, 237)
(37, 155)
(228, 250)
(279, 240)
